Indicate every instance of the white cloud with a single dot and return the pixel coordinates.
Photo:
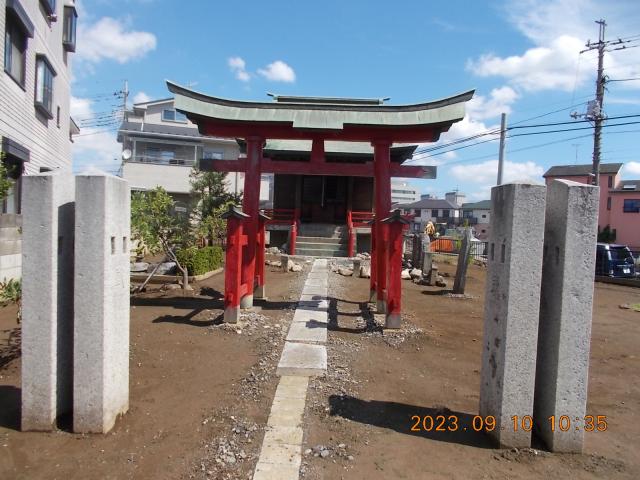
(141, 97)
(239, 67)
(487, 172)
(109, 38)
(498, 102)
(539, 68)
(95, 149)
(558, 30)
(278, 71)
(632, 168)
(479, 108)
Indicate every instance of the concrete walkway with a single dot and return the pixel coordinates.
(304, 355)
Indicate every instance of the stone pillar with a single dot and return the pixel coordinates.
(101, 302)
(512, 304)
(47, 298)
(564, 333)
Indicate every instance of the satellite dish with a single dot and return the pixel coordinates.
(126, 154)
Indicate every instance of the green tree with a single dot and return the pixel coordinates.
(155, 223)
(5, 182)
(211, 200)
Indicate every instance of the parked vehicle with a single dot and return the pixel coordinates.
(614, 261)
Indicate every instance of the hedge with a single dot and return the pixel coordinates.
(201, 260)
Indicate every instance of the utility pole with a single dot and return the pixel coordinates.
(125, 97)
(598, 110)
(503, 131)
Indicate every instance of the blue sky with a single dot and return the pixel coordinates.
(521, 56)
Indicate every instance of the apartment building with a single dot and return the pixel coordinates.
(619, 199)
(35, 126)
(403, 192)
(160, 146)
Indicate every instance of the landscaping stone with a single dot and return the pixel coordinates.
(139, 267)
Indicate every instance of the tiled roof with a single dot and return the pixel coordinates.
(627, 186)
(481, 205)
(426, 203)
(581, 170)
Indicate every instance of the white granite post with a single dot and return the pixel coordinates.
(101, 333)
(566, 302)
(47, 298)
(512, 304)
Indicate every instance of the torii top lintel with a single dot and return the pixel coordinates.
(313, 119)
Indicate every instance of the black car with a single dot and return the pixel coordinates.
(614, 261)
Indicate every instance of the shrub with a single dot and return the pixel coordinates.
(11, 292)
(201, 260)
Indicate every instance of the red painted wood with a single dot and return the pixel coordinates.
(373, 283)
(233, 260)
(382, 160)
(351, 239)
(293, 234)
(250, 206)
(353, 133)
(394, 290)
(260, 280)
(310, 168)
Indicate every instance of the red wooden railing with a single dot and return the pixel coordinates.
(285, 216)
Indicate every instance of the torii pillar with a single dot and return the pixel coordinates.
(382, 179)
(251, 207)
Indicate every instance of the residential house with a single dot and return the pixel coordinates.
(403, 192)
(478, 216)
(619, 199)
(160, 147)
(35, 125)
(436, 210)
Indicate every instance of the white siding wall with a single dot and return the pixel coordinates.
(19, 120)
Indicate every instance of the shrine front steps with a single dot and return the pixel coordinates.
(321, 247)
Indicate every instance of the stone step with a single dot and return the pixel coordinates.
(331, 240)
(321, 252)
(321, 230)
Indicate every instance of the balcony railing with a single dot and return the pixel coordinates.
(156, 160)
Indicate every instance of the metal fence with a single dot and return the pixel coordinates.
(416, 243)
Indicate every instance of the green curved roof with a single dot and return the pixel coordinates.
(330, 114)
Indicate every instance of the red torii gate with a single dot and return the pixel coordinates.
(318, 120)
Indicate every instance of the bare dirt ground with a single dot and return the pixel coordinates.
(358, 418)
(200, 392)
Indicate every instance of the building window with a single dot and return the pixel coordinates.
(631, 206)
(173, 116)
(49, 6)
(434, 213)
(484, 215)
(44, 86)
(609, 202)
(610, 181)
(15, 47)
(445, 213)
(212, 154)
(416, 212)
(69, 32)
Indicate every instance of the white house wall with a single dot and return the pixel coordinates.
(49, 145)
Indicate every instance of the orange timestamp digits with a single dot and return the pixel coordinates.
(451, 423)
